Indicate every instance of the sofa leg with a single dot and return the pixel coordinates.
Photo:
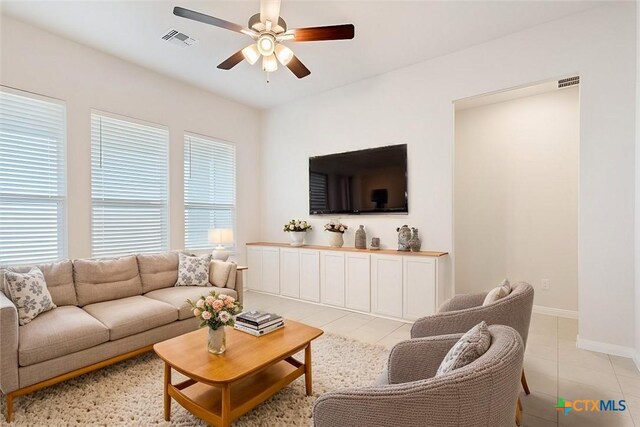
(9, 416)
(525, 386)
(518, 413)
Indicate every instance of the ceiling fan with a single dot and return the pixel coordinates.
(269, 30)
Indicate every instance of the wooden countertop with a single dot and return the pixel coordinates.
(344, 249)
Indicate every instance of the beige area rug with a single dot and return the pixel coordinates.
(130, 393)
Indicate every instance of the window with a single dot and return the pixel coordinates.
(209, 188)
(128, 187)
(32, 179)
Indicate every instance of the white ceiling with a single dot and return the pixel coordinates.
(389, 35)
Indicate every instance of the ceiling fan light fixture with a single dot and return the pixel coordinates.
(251, 54)
(266, 44)
(269, 63)
(284, 54)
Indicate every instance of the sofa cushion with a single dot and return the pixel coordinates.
(177, 297)
(497, 293)
(132, 315)
(220, 272)
(193, 270)
(59, 278)
(158, 271)
(58, 332)
(28, 292)
(106, 280)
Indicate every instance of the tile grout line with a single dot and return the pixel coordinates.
(557, 368)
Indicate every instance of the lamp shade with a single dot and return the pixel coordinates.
(221, 236)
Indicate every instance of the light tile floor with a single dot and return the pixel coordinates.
(553, 365)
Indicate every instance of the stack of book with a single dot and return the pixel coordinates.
(258, 322)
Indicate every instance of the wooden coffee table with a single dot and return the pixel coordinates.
(222, 387)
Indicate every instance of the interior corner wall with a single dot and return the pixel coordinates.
(637, 206)
(414, 105)
(36, 61)
(516, 195)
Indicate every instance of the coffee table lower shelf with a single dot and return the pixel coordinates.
(220, 404)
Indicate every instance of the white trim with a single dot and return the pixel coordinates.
(603, 347)
(636, 359)
(559, 312)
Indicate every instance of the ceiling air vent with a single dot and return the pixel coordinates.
(177, 38)
(571, 81)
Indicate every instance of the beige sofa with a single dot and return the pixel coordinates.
(107, 311)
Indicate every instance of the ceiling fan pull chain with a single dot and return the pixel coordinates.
(268, 79)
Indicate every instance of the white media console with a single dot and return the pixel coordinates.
(403, 285)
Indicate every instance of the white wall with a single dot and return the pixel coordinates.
(516, 195)
(414, 105)
(637, 206)
(40, 62)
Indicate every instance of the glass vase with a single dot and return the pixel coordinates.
(217, 341)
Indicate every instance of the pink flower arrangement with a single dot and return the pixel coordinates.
(335, 227)
(215, 310)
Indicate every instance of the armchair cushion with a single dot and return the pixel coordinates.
(470, 347)
(500, 291)
(28, 291)
(417, 359)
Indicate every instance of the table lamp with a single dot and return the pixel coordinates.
(221, 236)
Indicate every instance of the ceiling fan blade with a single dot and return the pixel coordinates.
(298, 68)
(269, 11)
(232, 61)
(201, 17)
(332, 32)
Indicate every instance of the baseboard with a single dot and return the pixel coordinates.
(636, 359)
(613, 349)
(558, 312)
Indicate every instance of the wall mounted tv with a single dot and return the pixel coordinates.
(364, 181)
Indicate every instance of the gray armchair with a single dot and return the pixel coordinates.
(482, 393)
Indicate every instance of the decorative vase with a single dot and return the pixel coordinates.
(415, 243)
(404, 235)
(361, 238)
(335, 239)
(296, 238)
(217, 340)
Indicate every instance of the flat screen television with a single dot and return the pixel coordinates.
(364, 181)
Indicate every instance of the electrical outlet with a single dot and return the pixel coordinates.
(545, 284)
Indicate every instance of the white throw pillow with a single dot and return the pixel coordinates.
(220, 272)
(501, 291)
(193, 270)
(28, 291)
(469, 347)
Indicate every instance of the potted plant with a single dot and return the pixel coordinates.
(336, 229)
(297, 230)
(216, 311)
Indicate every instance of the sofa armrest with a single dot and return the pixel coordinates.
(462, 302)
(419, 358)
(8, 345)
(240, 282)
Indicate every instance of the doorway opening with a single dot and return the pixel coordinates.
(516, 192)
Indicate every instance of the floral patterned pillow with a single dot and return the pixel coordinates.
(469, 347)
(28, 291)
(193, 270)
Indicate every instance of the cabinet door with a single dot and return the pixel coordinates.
(386, 285)
(271, 270)
(419, 275)
(332, 278)
(358, 281)
(289, 272)
(310, 275)
(254, 272)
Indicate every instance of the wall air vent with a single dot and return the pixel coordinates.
(177, 38)
(571, 81)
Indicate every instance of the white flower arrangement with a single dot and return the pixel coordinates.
(215, 310)
(335, 227)
(297, 225)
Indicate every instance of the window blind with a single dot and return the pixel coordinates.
(128, 187)
(32, 179)
(209, 188)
